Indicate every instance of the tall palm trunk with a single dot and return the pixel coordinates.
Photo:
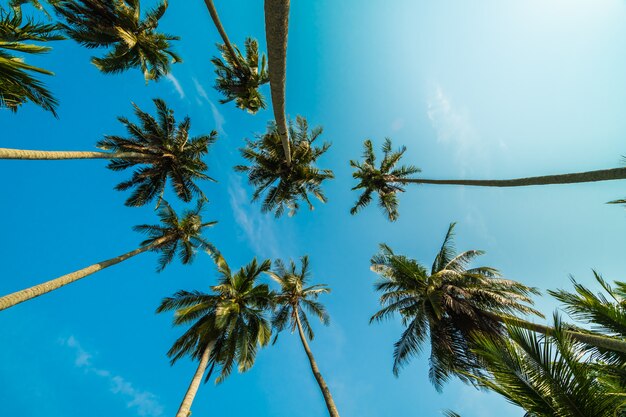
(589, 176)
(604, 342)
(185, 406)
(220, 29)
(276, 28)
(15, 298)
(6, 153)
(330, 404)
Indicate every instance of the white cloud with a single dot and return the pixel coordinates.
(397, 124)
(176, 84)
(145, 403)
(257, 227)
(218, 118)
(201, 91)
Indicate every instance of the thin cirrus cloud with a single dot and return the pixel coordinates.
(144, 403)
(179, 89)
(218, 118)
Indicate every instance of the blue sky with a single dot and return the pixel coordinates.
(481, 89)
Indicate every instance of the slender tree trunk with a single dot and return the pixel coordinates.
(276, 28)
(590, 176)
(15, 298)
(6, 153)
(220, 29)
(185, 406)
(605, 342)
(330, 404)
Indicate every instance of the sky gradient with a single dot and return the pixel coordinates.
(481, 89)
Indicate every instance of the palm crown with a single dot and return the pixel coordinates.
(232, 317)
(182, 236)
(284, 184)
(449, 304)
(17, 84)
(117, 24)
(167, 151)
(239, 78)
(296, 295)
(381, 179)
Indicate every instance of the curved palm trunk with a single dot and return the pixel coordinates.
(276, 28)
(6, 153)
(589, 176)
(185, 406)
(220, 29)
(605, 342)
(15, 298)
(330, 404)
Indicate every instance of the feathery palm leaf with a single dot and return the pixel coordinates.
(284, 185)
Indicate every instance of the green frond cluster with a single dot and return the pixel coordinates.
(18, 85)
(232, 318)
(177, 236)
(383, 180)
(281, 184)
(116, 24)
(449, 304)
(239, 78)
(164, 150)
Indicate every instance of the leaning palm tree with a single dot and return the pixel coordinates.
(227, 324)
(276, 28)
(161, 148)
(238, 78)
(17, 83)
(117, 24)
(547, 377)
(451, 303)
(294, 298)
(284, 184)
(182, 236)
(389, 179)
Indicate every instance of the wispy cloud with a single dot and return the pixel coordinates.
(145, 403)
(218, 118)
(258, 228)
(176, 84)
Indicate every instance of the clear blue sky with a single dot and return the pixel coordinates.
(481, 89)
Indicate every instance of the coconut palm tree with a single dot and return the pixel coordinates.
(451, 303)
(283, 184)
(17, 83)
(547, 377)
(238, 78)
(161, 148)
(296, 296)
(227, 324)
(182, 236)
(389, 179)
(276, 28)
(117, 25)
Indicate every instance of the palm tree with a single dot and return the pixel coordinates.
(173, 236)
(547, 377)
(285, 184)
(238, 78)
(276, 28)
(388, 179)
(450, 304)
(162, 149)
(117, 24)
(295, 293)
(227, 324)
(17, 84)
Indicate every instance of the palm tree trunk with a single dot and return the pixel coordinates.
(604, 342)
(6, 153)
(220, 29)
(185, 406)
(589, 176)
(276, 28)
(330, 404)
(15, 298)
